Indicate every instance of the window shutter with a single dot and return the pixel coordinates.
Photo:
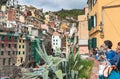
(92, 21)
(10, 37)
(16, 38)
(94, 42)
(3, 38)
(89, 25)
(72, 39)
(89, 44)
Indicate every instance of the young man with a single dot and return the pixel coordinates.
(109, 56)
(110, 53)
(114, 64)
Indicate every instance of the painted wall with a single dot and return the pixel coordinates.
(8, 50)
(21, 54)
(111, 21)
(83, 50)
(56, 42)
(83, 32)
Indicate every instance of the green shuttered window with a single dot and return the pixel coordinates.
(92, 43)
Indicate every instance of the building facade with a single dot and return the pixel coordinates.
(8, 49)
(56, 41)
(103, 22)
(21, 47)
(83, 32)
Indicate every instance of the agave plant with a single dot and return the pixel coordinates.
(56, 67)
(52, 65)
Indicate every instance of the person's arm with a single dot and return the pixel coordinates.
(114, 60)
(110, 55)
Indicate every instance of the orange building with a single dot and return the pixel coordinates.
(104, 17)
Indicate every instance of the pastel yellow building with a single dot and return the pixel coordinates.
(47, 19)
(21, 54)
(104, 22)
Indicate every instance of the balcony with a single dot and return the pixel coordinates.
(95, 30)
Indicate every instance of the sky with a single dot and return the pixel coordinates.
(55, 5)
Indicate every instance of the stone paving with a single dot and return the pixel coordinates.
(95, 69)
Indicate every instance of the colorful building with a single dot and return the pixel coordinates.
(103, 23)
(83, 32)
(21, 47)
(8, 48)
(56, 41)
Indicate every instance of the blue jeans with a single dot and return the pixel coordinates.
(101, 77)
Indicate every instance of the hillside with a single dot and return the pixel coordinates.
(70, 13)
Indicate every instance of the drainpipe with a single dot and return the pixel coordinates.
(102, 20)
(88, 31)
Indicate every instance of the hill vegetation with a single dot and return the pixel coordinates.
(70, 13)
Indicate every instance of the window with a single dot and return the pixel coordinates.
(16, 38)
(20, 41)
(19, 46)
(3, 38)
(23, 46)
(56, 43)
(21, 59)
(90, 5)
(23, 52)
(19, 52)
(94, 42)
(10, 37)
(2, 52)
(53, 43)
(56, 40)
(95, 20)
(2, 45)
(15, 45)
(89, 44)
(23, 41)
(9, 61)
(95, 2)
(16, 52)
(9, 45)
(21, 36)
(4, 61)
(13, 52)
(8, 52)
(29, 43)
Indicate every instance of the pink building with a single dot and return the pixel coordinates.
(83, 33)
